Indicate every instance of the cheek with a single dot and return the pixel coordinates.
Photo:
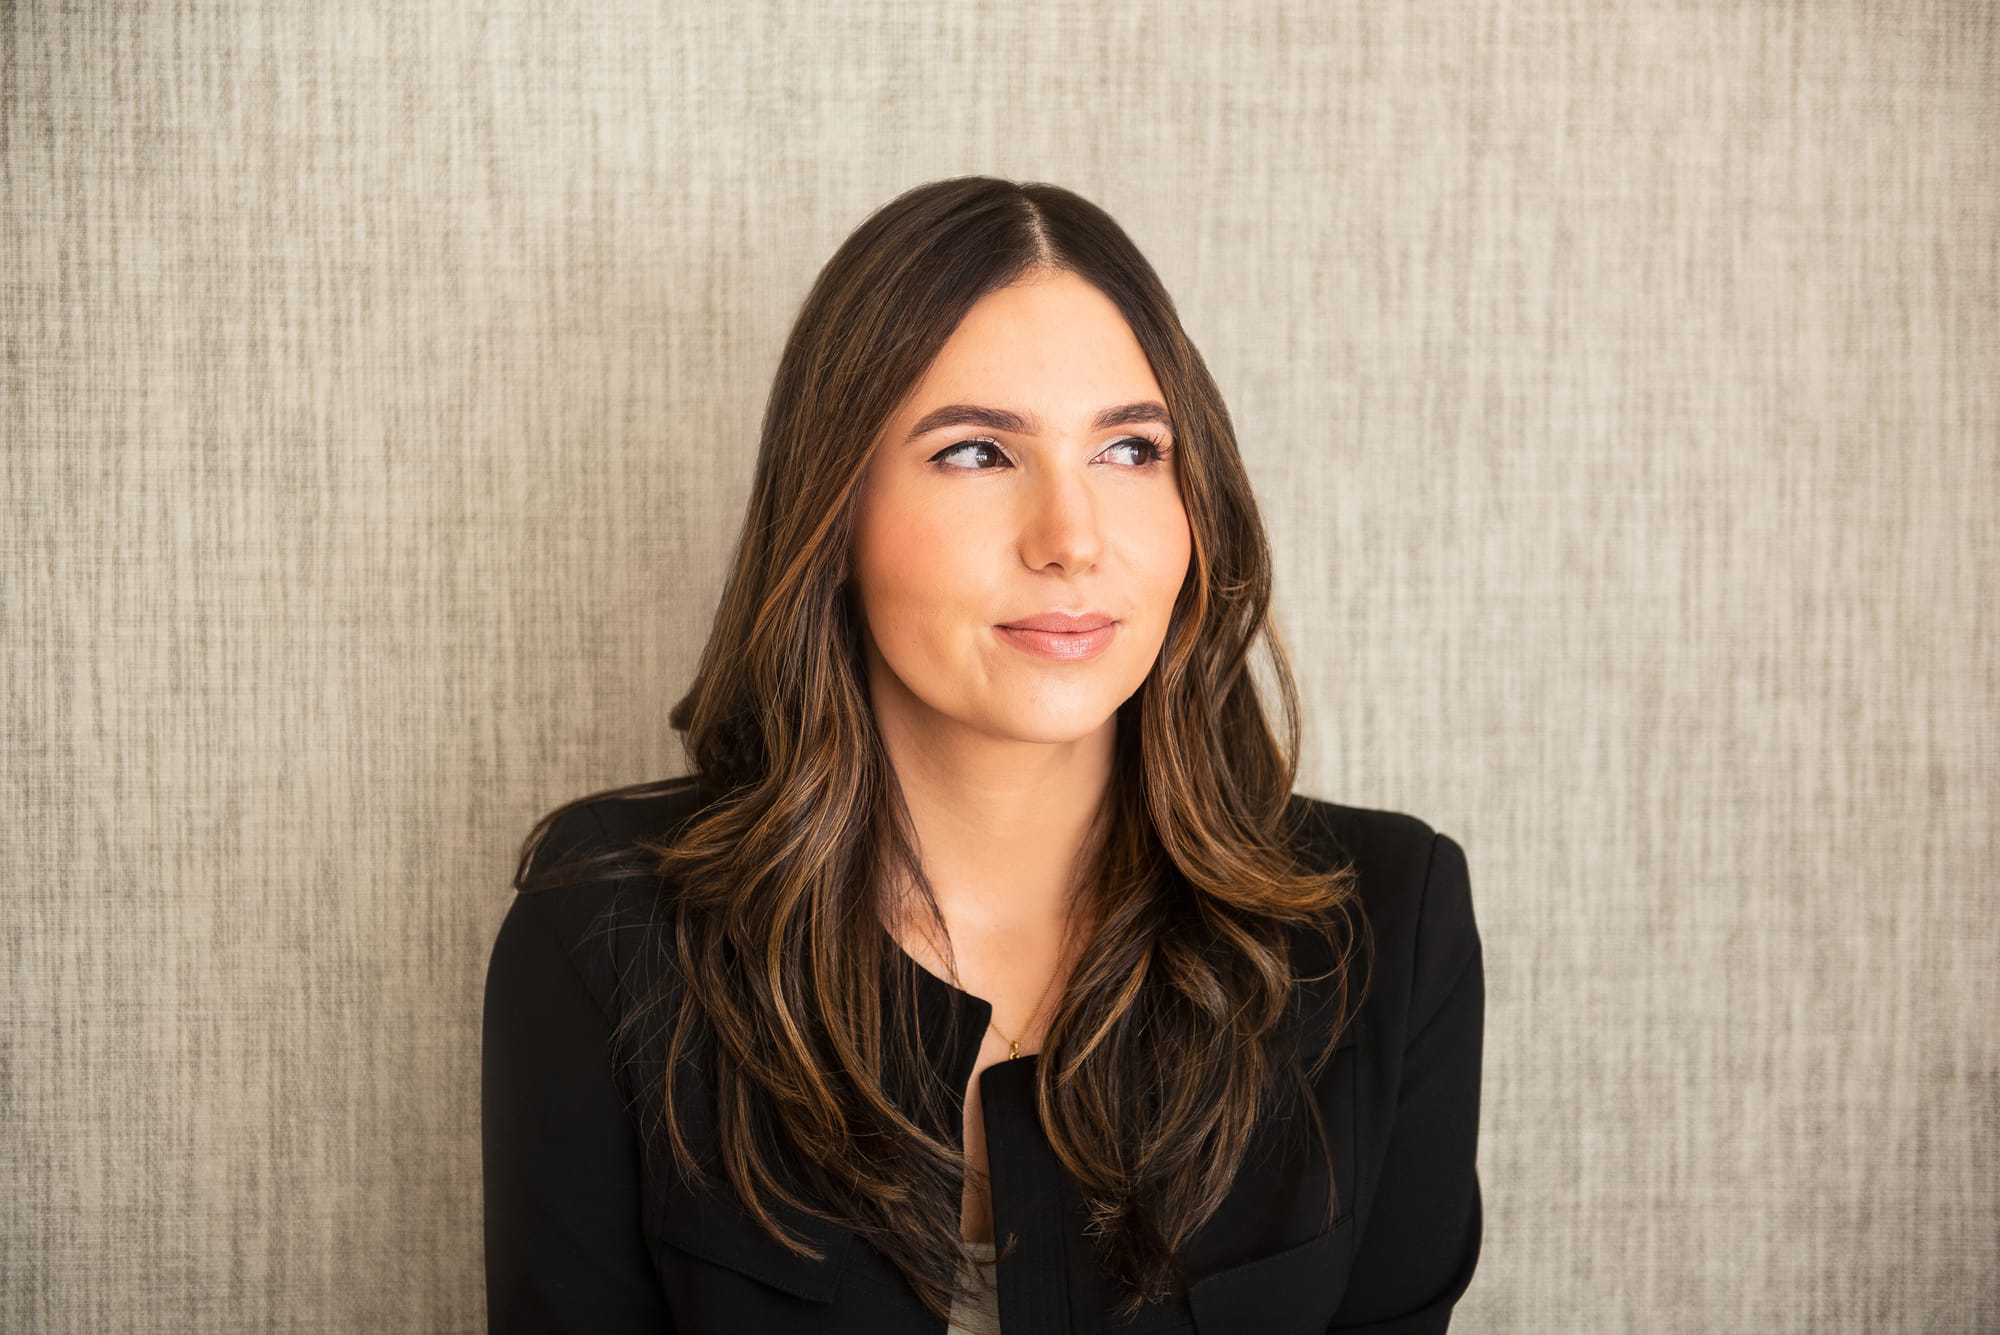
(911, 562)
(1165, 548)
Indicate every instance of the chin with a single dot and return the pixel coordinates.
(1054, 724)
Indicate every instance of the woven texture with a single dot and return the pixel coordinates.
(380, 392)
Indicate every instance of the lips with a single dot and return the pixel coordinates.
(1060, 623)
(1061, 646)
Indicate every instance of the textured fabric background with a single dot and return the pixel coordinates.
(1622, 384)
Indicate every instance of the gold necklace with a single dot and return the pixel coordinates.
(1014, 1044)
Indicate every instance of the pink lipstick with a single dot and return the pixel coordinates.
(1063, 637)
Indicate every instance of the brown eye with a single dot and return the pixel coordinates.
(1150, 450)
(977, 443)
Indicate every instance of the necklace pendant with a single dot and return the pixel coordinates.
(1013, 1051)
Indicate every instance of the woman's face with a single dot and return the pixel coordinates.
(1022, 475)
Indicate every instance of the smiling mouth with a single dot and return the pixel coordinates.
(1060, 646)
(1066, 623)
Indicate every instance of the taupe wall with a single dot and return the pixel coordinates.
(1620, 381)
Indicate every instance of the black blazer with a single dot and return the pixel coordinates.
(589, 1229)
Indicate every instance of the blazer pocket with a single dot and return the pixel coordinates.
(1286, 1293)
(712, 1227)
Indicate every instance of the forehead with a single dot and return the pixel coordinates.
(1054, 339)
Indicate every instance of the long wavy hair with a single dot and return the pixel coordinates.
(1168, 1039)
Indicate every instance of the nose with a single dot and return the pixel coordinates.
(1059, 526)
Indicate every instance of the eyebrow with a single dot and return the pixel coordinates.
(1005, 419)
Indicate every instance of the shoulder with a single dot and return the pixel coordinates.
(613, 819)
(584, 894)
(1414, 892)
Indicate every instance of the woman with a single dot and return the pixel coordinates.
(985, 972)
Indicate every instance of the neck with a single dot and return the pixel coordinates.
(1000, 823)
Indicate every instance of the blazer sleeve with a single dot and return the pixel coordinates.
(1422, 1239)
(565, 1251)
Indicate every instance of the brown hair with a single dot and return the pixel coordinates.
(1167, 1042)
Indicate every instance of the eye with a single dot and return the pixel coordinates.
(1150, 451)
(977, 442)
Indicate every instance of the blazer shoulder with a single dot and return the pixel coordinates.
(1413, 889)
(583, 877)
(615, 819)
(1372, 839)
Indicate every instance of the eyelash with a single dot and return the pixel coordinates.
(1159, 453)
